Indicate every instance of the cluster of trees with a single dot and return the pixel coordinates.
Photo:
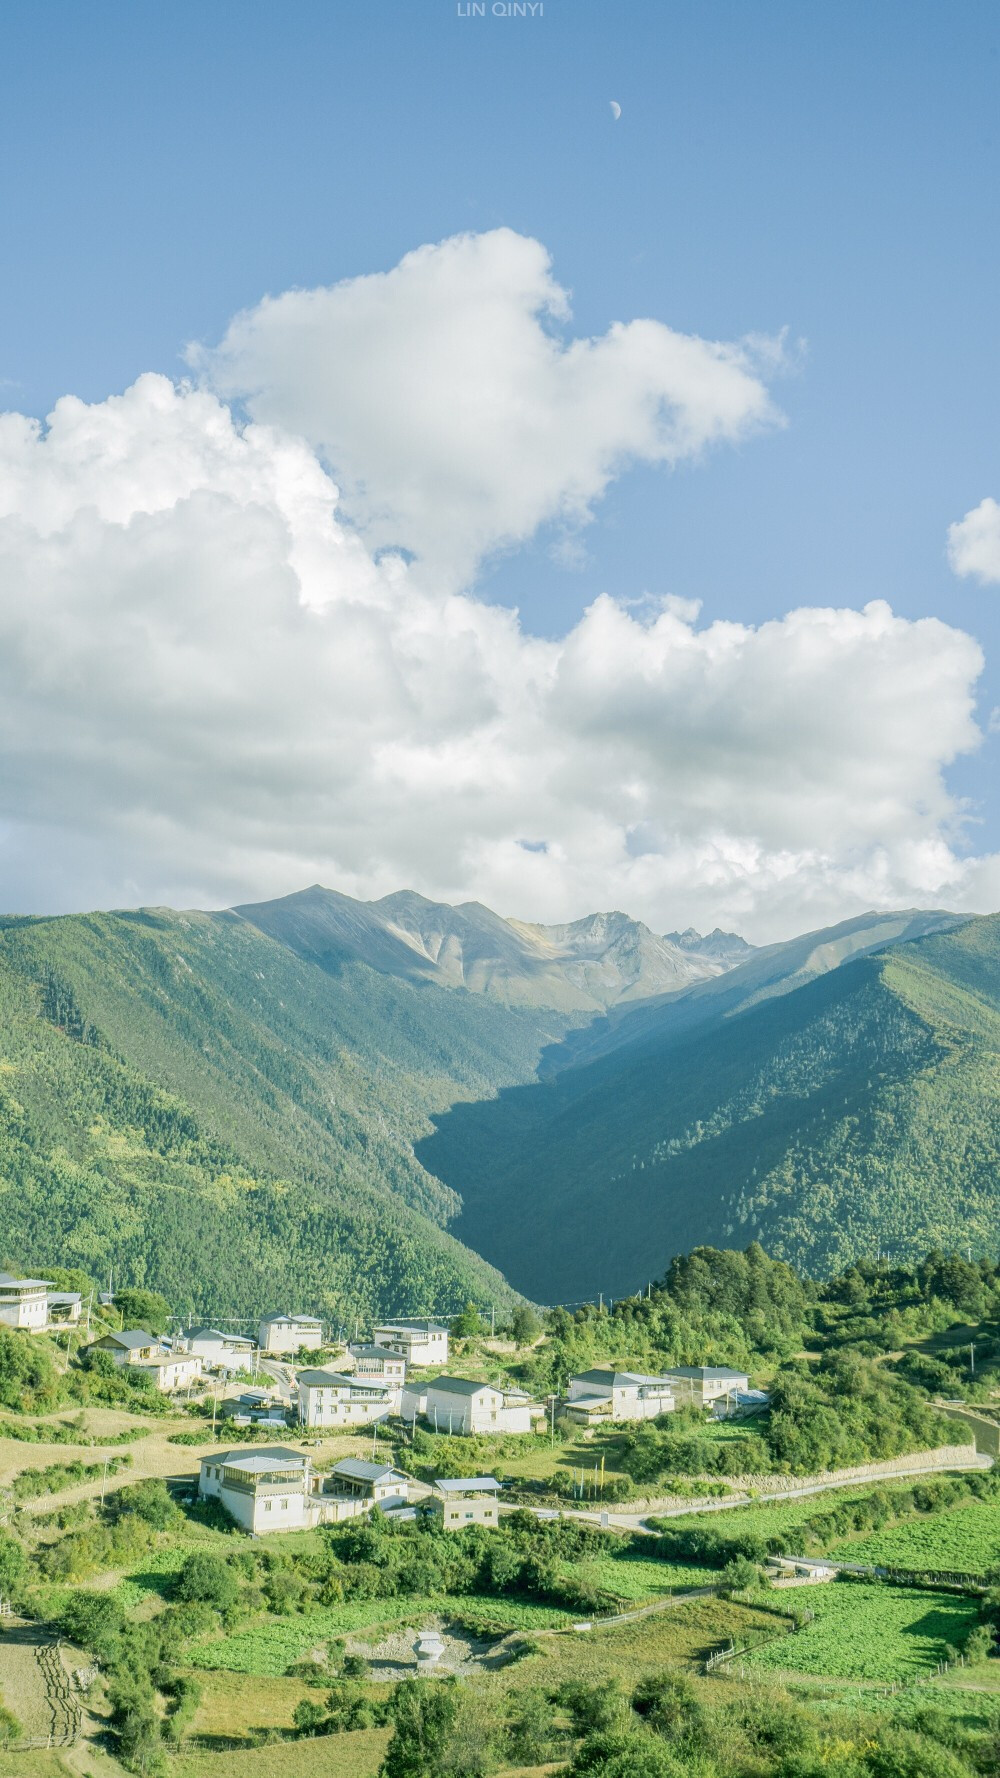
(663, 1726)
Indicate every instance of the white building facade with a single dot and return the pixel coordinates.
(419, 1342)
(603, 1394)
(262, 1490)
(289, 1333)
(24, 1302)
(458, 1406)
(328, 1398)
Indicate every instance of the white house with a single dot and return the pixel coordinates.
(704, 1384)
(380, 1362)
(327, 1398)
(419, 1342)
(288, 1333)
(262, 1490)
(220, 1351)
(604, 1394)
(464, 1500)
(457, 1405)
(24, 1302)
(171, 1370)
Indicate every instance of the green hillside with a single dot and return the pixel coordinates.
(186, 1100)
(862, 1109)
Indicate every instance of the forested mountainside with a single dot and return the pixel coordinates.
(581, 968)
(185, 1099)
(857, 1111)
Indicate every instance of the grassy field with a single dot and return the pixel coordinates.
(966, 1538)
(681, 1637)
(639, 1578)
(234, 1705)
(272, 1645)
(356, 1755)
(873, 1632)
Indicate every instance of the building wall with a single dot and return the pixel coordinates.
(632, 1404)
(276, 1338)
(29, 1309)
(464, 1414)
(457, 1514)
(416, 1348)
(324, 1407)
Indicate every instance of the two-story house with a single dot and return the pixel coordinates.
(419, 1342)
(605, 1394)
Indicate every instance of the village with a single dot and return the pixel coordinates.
(399, 1374)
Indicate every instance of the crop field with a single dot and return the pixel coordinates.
(966, 1538)
(271, 1646)
(640, 1578)
(874, 1632)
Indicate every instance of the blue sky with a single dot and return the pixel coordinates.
(832, 171)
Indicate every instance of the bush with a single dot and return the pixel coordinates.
(206, 1579)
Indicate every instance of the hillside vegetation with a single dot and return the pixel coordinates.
(858, 1111)
(185, 1100)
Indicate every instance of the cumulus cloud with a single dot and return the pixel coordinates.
(974, 543)
(454, 411)
(212, 688)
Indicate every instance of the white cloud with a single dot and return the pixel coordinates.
(974, 543)
(210, 690)
(454, 412)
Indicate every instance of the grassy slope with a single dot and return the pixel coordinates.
(862, 1108)
(183, 1098)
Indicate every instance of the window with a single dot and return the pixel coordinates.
(267, 1505)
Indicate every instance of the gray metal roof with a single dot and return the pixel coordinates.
(336, 1380)
(62, 1297)
(414, 1326)
(7, 1278)
(707, 1373)
(299, 1320)
(258, 1462)
(376, 1352)
(618, 1379)
(459, 1386)
(132, 1338)
(361, 1471)
(479, 1484)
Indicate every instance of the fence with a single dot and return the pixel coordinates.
(794, 1621)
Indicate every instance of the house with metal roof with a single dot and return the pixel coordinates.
(373, 1484)
(133, 1345)
(419, 1342)
(381, 1362)
(605, 1394)
(460, 1406)
(705, 1384)
(220, 1351)
(289, 1333)
(24, 1302)
(263, 1491)
(460, 1501)
(64, 1308)
(331, 1398)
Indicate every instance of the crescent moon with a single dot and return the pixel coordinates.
(616, 110)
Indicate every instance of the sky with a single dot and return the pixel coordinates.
(415, 476)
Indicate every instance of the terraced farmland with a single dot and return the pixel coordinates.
(966, 1538)
(875, 1632)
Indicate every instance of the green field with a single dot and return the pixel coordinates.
(272, 1645)
(875, 1632)
(640, 1578)
(966, 1539)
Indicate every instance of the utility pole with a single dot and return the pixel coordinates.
(493, 1320)
(972, 1356)
(104, 1478)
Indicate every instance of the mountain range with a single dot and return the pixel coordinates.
(389, 1107)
